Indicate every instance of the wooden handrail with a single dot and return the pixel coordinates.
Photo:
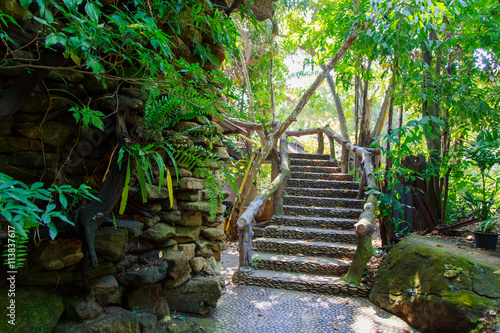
(245, 220)
(364, 227)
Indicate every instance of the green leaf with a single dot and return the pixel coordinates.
(92, 11)
(25, 3)
(123, 203)
(142, 182)
(52, 229)
(72, 4)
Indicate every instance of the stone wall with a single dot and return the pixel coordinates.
(152, 259)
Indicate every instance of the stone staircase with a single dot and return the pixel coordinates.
(311, 246)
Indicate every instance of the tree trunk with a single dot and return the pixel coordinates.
(431, 108)
(364, 130)
(338, 106)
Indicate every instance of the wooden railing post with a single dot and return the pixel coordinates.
(344, 162)
(245, 220)
(278, 196)
(321, 142)
(332, 148)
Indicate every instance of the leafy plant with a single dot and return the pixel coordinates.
(20, 206)
(143, 157)
(489, 226)
(405, 141)
(484, 152)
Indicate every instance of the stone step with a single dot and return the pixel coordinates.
(317, 169)
(314, 222)
(322, 176)
(306, 156)
(307, 248)
(299, 281)
(322, 193)
(310, 234)
(348, 213)
(324, 184)
(304, 264)
(322, 163)
(322, 202)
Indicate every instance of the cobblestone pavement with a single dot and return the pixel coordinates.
(248, 309)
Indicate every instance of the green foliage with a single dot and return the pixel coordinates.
(144, 157)
(20, 207)
(483, 153)
(88, 117)
(180, 103)
(405, 141)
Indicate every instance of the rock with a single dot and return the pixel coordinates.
(53, 133)
(436, 286)
(154, 208)
(178, 265)
(139, 246)
(126, 262)
(4, 160)
(153, 257)
(187, 234)
(56, 256)
(182, 172)
(165, 204)
(221, 153)
(149, 222)
(201, 206)
(190, 219)
(165, 244)
(149, 298)
(191, 325)
(179, 48)
(217, 256)
(104, 288)
(32, 313)
(188, 249)
(6, 126)
(154, 192)
(113, 320)
(197, 295)
(11, 144)
(160, 232)
(64, 276)
(40, 103)
(218, 246)
(170, 217)
(170, 284)
(207, 221)
(197, 264)
(93, 85)
(188, 196)
(133, 228)
(212, 267)
(203, 248)
(110, 243)
(144, 275)
(33, 159)
(190, 183)
(213, 234)
(82, 308)
(66, 76)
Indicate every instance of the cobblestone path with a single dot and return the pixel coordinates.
(248, 309)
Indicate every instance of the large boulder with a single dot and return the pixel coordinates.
(197, 296)
(36, 310)
(436, 286)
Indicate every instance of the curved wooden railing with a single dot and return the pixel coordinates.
(364, 227)
(245, 220)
